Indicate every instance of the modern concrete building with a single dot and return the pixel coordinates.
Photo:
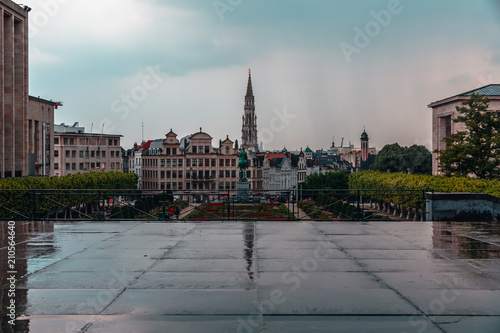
(445, 110)
(78, 152)
(40, 132)
(13, 89)
(26, 122)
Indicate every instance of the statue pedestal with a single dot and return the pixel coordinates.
(243, 187)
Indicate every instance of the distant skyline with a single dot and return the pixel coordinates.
(321, 69)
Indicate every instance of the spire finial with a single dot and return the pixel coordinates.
(249, 71)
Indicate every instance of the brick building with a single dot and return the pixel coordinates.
(444, 111)
(78, 152)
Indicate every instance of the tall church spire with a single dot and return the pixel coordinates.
(249, 126)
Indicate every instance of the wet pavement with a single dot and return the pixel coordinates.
(255, 277)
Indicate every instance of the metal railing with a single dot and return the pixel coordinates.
(200, 205)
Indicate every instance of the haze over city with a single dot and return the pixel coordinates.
(320, 69)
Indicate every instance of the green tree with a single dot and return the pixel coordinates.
(329, 180)
(394, 158)
(475, 151)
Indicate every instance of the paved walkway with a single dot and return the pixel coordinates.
(258, 277)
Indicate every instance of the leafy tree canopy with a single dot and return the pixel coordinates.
(475, 151)
(329, 180)
(394, 158)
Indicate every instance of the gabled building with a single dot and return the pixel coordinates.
(445, 110)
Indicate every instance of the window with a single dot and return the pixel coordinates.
(233, 162)
(112, 165)
(174, 162)
(68, 166)
(169, 174)
(207, 162)
(227, 162)
(227, 174)
(228, 185)
(65, 140)
(174, 151)
(103, 154)
(200, 149)
(213, 186)
(180, 174)
(56, 153)
(195, 162)
(86, 154)
(98, 165)
(213, 162)
(195, 186)
(174, 174)
(169, 163)
(221, 162)
(98, 154)
(188, 162)
(221, 173)
(92, 166)
(162, 162)
(207, 174)
(174, 186)
(112, 154)
(81, 154)
(110, 142)
(169, 186)
(115, 142)
(56, 166)
(180, 186)
(188, 186)
(168, 151)
(162, 174)
(233, 186)
(73, 154)
(73, 166)
(233, 174)
(200, 162)
(221, 185)
(56, 141)
(81, 166)
(92, 154)
(162, 186)
(227, 150)
(194, 149)
(72, 141)
(207, 149)
(67, 153)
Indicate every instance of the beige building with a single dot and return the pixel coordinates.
(78, 152)
(193, 164)
(444, 111)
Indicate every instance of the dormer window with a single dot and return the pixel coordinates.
(227, 150)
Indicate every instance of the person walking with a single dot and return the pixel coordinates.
(177, 212)
(171, 213)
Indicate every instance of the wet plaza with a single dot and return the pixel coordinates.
(254, 277)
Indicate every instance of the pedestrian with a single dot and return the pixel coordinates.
(171, 213)
(177, 212)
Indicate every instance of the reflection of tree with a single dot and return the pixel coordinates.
(460, 239)
(25, 232)
(248, 236)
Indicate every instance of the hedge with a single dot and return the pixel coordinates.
(16, 193)
(376, 180)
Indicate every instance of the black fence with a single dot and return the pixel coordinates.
(275, 205)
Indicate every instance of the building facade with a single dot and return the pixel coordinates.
(78, 152)
(13, 89)
(444, 111)
(40, 132)
(192, 164)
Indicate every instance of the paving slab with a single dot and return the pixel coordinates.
(132, 277)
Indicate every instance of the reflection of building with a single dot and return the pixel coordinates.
(78, 152)
(444, 111)
(22, 118)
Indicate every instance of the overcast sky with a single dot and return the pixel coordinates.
(321, 69)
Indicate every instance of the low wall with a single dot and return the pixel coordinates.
(462, 207)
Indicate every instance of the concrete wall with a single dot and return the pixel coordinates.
(462, 207)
